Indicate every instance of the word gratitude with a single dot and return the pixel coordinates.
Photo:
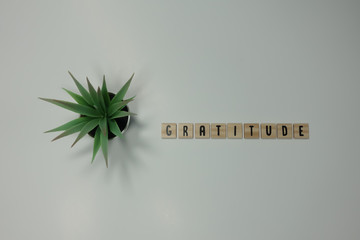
(235, 130)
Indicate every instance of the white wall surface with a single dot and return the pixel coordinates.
(194, 61)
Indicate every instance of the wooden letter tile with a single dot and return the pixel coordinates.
(202, 130)
(268, 130)
(186, 130)
(168, 130)
(234, 130)
(251, 130)
(301, 130)
(218, 130)
(284, 130)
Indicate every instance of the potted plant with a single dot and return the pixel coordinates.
(103, 115)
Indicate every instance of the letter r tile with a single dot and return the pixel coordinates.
(186, 130)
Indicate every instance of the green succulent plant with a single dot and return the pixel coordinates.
(97, 111)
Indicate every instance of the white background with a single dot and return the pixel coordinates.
(194, 61)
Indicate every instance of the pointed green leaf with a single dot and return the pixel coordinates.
(104, 147)
(118, 106)
(114, 128)
(88, 111)
(79, 99)
(101, 99)
(86, 129)
(82, 90)
(94, 96)
(97, 143)
(120, 114)
(121, 94)
(69, 124)
(105, 93)
(103, 126)
(70, 131)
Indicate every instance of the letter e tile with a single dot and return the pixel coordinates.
(301, 130)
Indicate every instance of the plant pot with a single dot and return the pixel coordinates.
(122, 122)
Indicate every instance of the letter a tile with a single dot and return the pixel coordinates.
(202, 130)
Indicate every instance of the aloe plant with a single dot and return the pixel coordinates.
(97, 111)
